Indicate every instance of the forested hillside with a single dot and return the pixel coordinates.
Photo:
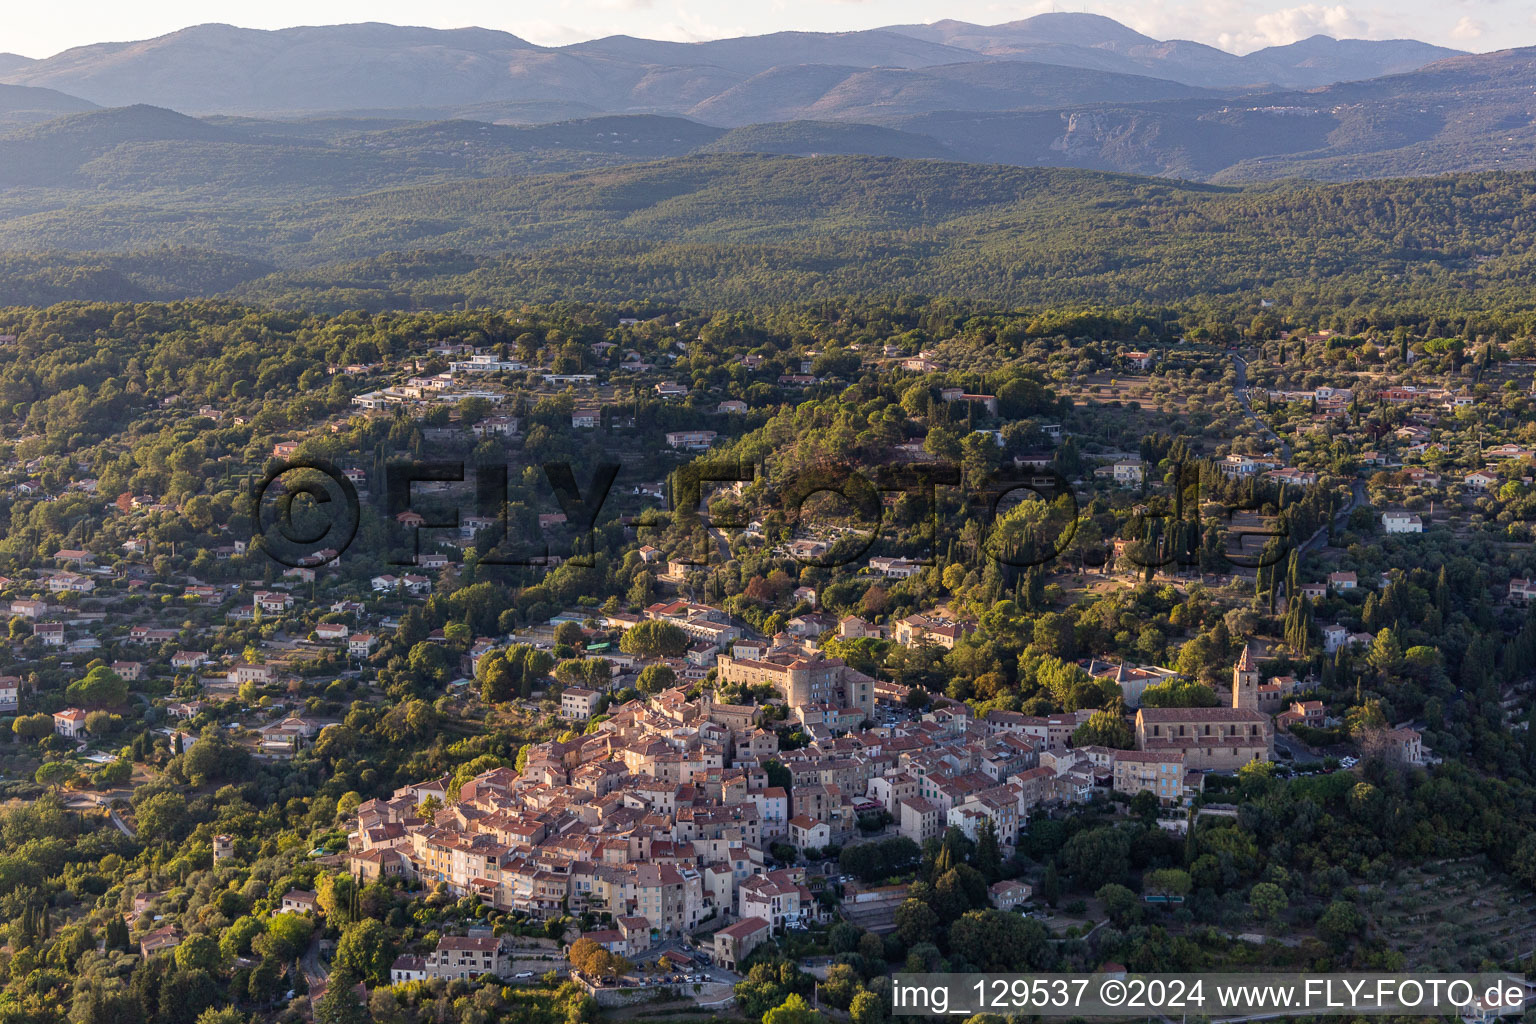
(740, 230)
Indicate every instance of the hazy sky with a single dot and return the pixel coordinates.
(41, 29)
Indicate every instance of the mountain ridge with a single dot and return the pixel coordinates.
(219, 68)
(745, 229)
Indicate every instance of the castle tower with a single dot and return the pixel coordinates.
(1245, 681)
(1122, 677)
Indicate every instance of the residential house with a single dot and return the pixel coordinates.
(273, 602)
(1129, 472)
(1403, 745)
(1334, 637)
(691, 438)
(577, 702)
(406, 968)
(806, 833)
(920, 820)
(159, 941)
(461, 957)
(779, 897)
(1160, 773)
(852, 627)
(29, 609)
(1009, 894)
(299, 901)
(895, 568)
(1521, 590)
(1481, 480)
(69, 723)
(734, 943)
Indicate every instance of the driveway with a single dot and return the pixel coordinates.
(315, 972)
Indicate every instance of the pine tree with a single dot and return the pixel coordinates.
(1050, 885)
(944, 861)
(117, 933)
(1034, 595)
(989, 857)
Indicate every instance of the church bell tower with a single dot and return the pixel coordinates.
(1245, 682)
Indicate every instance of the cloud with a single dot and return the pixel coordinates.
(1289, 24)
(548, 33)
(1470, 28)
(1165, 19)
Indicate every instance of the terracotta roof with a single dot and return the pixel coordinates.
(1200, 715)
(741, 929)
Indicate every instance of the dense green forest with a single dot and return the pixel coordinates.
(742, 230)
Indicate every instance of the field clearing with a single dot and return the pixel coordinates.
(1452, 915)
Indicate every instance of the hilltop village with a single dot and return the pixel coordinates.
(721, 662)
(665, 815)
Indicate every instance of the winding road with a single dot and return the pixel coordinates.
(1240, 366)
(1357, 498)
(122, 826)
(316, 974)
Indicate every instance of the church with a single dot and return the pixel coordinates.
(1213, 739)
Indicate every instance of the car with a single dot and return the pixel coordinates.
(523, 975)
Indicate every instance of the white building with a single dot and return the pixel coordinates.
(486, 362)
(69, 723)
(1334, 637)
(690, 438)
(576, 702)
(894, 568)
(1129, 472)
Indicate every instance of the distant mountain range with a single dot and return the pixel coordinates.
(1093, 41)
(21, 104)
(218, 117)
(888, 72)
